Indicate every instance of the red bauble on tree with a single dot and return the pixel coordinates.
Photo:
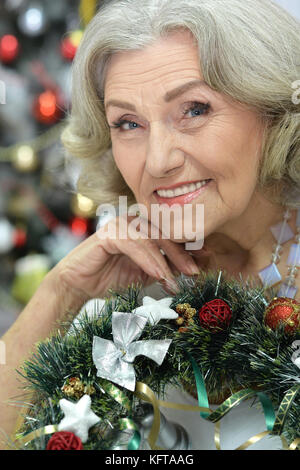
(9, 48)
(46, 108)
(64, 440)
(283, 310)
(215, 315)
(70, 43)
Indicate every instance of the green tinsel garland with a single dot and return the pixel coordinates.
(247, 354)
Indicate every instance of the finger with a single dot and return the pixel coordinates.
(179, 257)
(104, 243)
(138, 251)
(171, 287)
(175, 252)
(174, 268)
(154, 249)
(203, 259)
(135, 242)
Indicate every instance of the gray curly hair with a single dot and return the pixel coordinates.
(248, 50)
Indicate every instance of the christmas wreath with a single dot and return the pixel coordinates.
(98, 383)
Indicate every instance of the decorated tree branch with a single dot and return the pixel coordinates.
(99, 383)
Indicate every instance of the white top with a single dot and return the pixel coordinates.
(241, 423)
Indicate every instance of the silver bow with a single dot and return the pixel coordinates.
(113, 359)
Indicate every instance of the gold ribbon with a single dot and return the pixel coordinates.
(259, 436)
(217, 436)
(50, 429)
(253, 440)
(284, 407)
(177, 406)
(295, 444)
(146, 394)
(217, 432)
(117, 395)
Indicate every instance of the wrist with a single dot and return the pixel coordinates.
(66, 298)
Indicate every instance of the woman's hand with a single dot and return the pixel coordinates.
(97, 264)
(102, 261)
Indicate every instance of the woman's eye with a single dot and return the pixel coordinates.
(121, 123)
(198, 109)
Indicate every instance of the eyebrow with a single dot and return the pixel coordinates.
(169, 96)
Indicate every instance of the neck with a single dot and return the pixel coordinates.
(245, 243)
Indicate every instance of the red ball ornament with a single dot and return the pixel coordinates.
(64, 440)
(283, 310)
(215, 315)
(46, 108)
(20, 237)
(9, 48)
(79, 226)
(68, 49)
(70, 43)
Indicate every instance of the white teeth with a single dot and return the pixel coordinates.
(182, 190)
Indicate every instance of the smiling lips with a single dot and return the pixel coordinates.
(181, 194)
(178, 191)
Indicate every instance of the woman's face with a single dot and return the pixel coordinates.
(163, 135)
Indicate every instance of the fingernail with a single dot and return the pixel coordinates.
(170, 284)
(159, 273)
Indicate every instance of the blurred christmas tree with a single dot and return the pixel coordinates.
(41, 216)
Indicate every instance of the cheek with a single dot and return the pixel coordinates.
(246, 157)
(231, 150)
(128, 164)
(240, 181)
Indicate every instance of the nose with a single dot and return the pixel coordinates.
(163, 154)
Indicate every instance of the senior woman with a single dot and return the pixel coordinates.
(188, 102)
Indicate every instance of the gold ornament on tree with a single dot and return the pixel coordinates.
(185, 318)
(75, 388)
(82, 206)
(25, 158)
